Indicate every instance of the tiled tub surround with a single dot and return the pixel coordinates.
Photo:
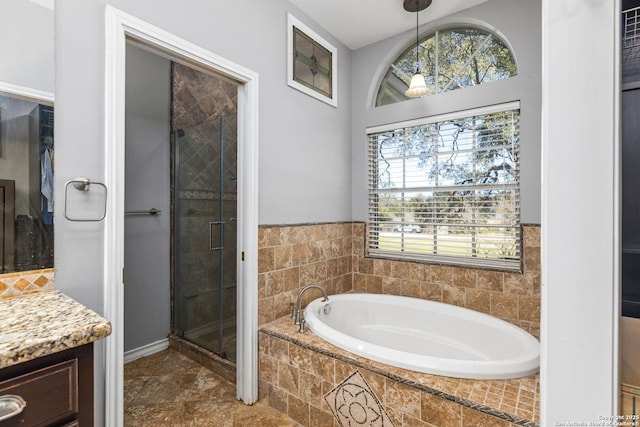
(298, 370)
(26, 282)
(514, 297)
(294, 377)
(291, 257)
(332, 255)
(43, 323)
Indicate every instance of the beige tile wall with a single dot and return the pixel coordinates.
(512, 296)
(332, 255)
(291, 257)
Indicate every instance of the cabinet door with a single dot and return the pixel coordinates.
(51, 394)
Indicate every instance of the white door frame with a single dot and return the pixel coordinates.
(121, 27)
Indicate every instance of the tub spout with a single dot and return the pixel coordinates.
(297, 309)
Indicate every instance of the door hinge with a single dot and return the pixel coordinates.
(242, 255)
(123, 276)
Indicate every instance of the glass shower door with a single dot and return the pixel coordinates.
(205, 190)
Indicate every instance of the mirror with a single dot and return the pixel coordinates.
(26, 184)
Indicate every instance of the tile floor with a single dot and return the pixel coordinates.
(169, 389)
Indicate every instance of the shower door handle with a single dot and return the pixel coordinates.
(221, 224)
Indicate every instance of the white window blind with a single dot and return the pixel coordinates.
(446, 189)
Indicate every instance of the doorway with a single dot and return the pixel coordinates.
(180, 205)
(121, 28)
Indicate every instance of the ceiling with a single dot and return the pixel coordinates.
(357, 23)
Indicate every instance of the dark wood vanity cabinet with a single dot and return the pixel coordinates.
(57, 388)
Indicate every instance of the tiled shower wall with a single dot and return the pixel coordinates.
(332, 255)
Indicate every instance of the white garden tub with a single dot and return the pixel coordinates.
(425, 336)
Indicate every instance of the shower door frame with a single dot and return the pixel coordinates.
(120, 29)
(216, 248)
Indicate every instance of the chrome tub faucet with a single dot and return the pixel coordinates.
(297, 313)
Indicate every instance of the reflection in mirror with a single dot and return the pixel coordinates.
(26, 185)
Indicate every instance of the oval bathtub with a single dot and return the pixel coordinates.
(425, 336)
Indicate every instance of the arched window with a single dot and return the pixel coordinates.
(450, 59)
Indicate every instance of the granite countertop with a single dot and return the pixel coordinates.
(42, 323)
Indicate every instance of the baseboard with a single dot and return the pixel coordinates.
(145, 350)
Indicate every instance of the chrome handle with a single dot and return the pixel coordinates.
(303, 326)
(10, 406)
(152, 211)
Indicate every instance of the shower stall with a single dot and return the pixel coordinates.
(204, 234)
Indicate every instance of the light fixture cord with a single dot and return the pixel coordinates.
(417, 44)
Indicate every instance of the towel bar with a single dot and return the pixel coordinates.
(152, 211)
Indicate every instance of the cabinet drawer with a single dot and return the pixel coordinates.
(51, 394)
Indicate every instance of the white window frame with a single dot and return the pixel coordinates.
(433, 79)
(292, 23)
(397, 240)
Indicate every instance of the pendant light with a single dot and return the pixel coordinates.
(418, 86)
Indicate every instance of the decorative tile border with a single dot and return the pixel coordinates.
(206, 195)
(353, 403)
(26, 282)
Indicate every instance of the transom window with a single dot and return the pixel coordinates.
(449, 59)
(447, 189)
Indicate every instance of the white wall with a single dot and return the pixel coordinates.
(580, 211)
(147, 297)
(518, 21)
(26, 47)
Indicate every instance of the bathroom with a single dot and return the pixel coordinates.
(311, 171)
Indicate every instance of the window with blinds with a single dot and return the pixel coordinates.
(446, 189)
